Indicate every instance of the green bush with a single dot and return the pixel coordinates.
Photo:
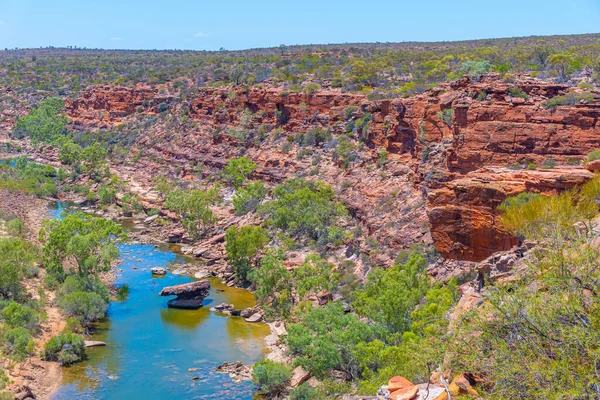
(193, 207)
(44, 123)
(273, 284)
(446, 116)
(17, 257)
(326, 338)
(270, 377)
(390, 295)
(86, 307)
(305, 209)
(311, 88)
(238, 170)
(67, 348)
(569, 99)
(303, 392)
(594, 155)
(247, 199)
(18, 344)
(242, 245)
(16, 227)
(315, 275)
(516, 91)
(16, 315)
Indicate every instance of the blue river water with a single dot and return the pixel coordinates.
(155, 352)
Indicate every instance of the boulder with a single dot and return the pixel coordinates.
(158, 271)
(593, 166)
(299, 376)
(461, 385)
(399, 383)
(150, 219)
(176, 235)
(93, 343)
(203, 273)
(408, 393)
(189, 295)
(256, 317)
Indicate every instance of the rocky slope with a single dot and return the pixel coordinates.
(444, 176)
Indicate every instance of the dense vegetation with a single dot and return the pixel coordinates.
(393, 68)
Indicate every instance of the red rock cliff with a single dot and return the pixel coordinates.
(460, 166)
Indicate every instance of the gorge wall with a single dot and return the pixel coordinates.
(444, 177)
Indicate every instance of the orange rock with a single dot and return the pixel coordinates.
(461, 385)
(399, 383)
(593, 166)
(405, 394)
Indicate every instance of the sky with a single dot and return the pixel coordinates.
(233, 24)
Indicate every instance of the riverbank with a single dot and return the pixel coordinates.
(34, 376)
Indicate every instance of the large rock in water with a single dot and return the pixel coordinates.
(189, 295)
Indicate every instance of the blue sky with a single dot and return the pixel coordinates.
(233, 24)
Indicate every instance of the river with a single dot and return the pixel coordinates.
(156, 352)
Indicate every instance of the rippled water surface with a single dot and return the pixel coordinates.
(151, 347)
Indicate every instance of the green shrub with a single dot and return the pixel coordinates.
(273, 284)
(516, 91)
(123, 292)
(86, 307)
(67, 348)
(17, 257)
(303, 392)
(247, 199)
(311, 88)
(16, 315)
(16, 227)
(242, 245)
(18, 344)
(238, 170)
(270, 377)
(315, 275)
(390, 295)
(326, 338)
(44, 123)
(594, 155)
(446, 116)
(305, 209)
(569, 99)
(193, 206)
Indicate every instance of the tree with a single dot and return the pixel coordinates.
(273, 284)
(44, 123)
(326, 337)
(18, 344)
(315, 275)
(193, 207)
(17, 257)
(271, 378)
(70, 153)
(247, 199)
(88, 241)
(68, 348)
(237, 170)
(562, 64)
(390, 295)
(305, 209)
(16, 315)
(242, 246)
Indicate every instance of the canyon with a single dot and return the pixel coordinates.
(444, 177)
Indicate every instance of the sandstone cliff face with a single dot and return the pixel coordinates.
(444, 178)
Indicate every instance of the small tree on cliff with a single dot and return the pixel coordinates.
(86, 240)
(237, 170)
(193, 206)
(242, 245)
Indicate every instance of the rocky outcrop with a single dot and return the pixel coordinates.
(189, 295)
(450, 150)
(463, 213)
